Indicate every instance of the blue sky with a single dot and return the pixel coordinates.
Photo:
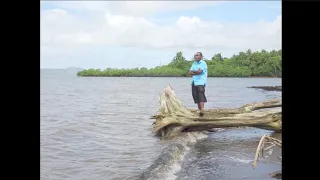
(244, 11)
(121, 35)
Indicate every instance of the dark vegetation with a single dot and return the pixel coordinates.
(268, 88)
(244, 64)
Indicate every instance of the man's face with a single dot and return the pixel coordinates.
(197, 57)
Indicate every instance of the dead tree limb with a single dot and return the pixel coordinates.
(261, 145)
(259, 153)
(174, 118)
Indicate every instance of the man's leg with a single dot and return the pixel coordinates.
(199, 105)
(202, 98)
(195, 95)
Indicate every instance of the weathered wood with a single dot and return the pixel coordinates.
(174, 118)
(260, 147)
(259, 153)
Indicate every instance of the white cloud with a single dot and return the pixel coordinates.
(128, 26)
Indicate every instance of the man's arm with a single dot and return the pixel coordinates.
(199, 71)
(202, 69)
(191, 72)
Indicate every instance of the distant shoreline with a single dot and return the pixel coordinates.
(246, 64)
(189, 77)
(268, 88)
(264, 77)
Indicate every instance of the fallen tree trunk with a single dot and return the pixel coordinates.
(173, 118)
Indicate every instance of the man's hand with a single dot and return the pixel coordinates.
(197, 72)
(191, 73)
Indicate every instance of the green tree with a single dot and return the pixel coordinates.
(244, 64)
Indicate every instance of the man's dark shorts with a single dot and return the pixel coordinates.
(198, 93)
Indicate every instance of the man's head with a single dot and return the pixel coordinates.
(198, 56)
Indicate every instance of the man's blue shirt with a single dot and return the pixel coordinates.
(199, 79)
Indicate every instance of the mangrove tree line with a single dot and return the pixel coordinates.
(244, 64)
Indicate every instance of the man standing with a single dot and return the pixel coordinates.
(199, 74)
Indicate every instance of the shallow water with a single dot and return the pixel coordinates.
(98, 128)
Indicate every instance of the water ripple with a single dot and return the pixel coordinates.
(99, 128)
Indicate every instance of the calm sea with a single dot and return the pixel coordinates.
(96, 128)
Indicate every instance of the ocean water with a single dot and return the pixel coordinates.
(98, 128)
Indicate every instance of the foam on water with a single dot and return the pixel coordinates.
(236, 159)
(168, 163)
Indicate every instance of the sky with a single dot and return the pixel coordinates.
(129, 34)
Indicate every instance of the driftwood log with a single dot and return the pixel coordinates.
(174, 118)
